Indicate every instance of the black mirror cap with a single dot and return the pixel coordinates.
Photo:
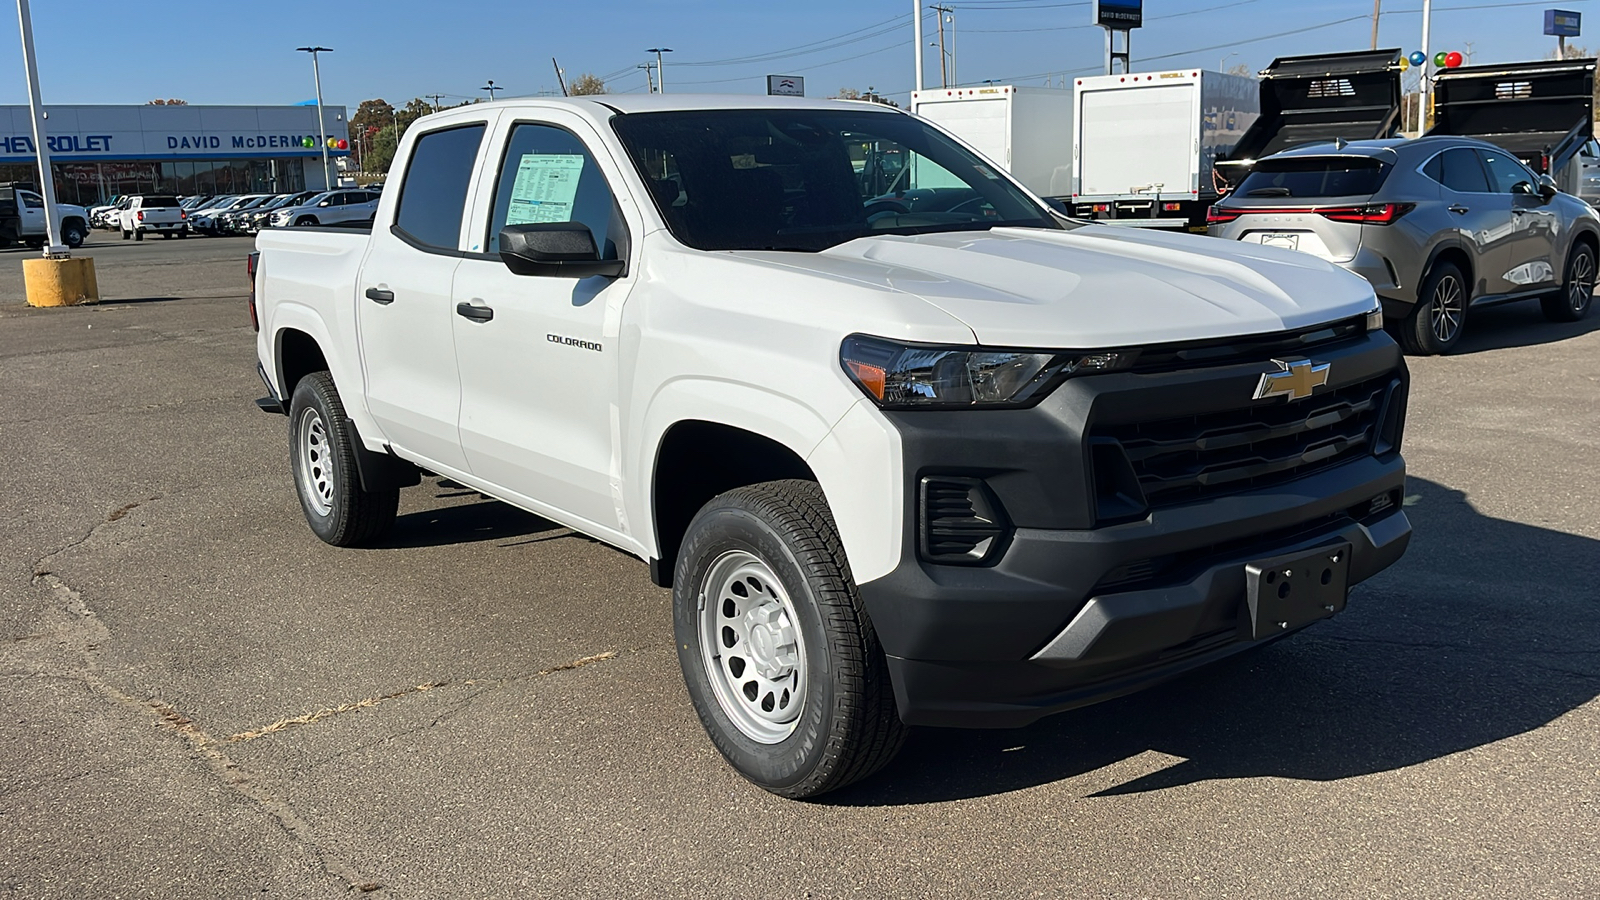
(1547, 187)
(562, 249)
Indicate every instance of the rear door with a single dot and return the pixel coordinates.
(539, 355)
(1134, 138)
(1480, 217)
(404, 297)
(1530, 248)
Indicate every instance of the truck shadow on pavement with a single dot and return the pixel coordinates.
(467, 523)
(1486, 629)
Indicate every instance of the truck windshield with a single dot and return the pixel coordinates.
(807, 180)
(1314, 176)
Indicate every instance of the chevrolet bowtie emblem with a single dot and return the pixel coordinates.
(1297, 380)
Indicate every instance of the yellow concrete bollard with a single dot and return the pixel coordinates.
(60, 282)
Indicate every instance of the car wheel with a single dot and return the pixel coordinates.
(780, 659)
(166, 235)
(1572, 302)
(138, 234)
(73, 235)
(35, 245)
(305, 220)
(126, 234)
(1440, 315)
(323, 461)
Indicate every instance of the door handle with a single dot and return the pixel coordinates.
(378, 296)
(475, 313)
(1460, 210)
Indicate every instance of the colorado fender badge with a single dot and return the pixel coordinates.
(1297, 380)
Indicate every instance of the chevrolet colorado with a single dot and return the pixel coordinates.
(901, 462)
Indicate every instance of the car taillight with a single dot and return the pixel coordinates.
(182, 214)
(1218, 216)
(141, 215)
(1372, 214)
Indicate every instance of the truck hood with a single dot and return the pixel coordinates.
(1098, 286)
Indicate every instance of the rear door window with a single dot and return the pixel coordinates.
(1458, 170)
(433, 196)
(1314, 176)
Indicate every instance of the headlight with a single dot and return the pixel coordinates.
(921, 376)
(1375, 320)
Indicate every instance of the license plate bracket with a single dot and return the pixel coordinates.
(1288, 241)
(1286, 592)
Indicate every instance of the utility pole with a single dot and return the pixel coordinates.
(41, 139)
(322, 127)
(1377, 10)
(661, 73)
(944, 70)
(916, 38)
(435, 98)
(649, 77)
(561, 77)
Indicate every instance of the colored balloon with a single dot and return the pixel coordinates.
(1452, 59)
(1418, 57)
(308, 143)
(1405, 63)
(344, 144)
(1439, 58)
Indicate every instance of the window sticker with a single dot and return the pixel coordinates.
(546, 185)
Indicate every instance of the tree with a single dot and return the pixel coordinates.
(1241, 69)
(586, 85)
(370, 114)
(869, 95)
(168, 103)
(381, 154)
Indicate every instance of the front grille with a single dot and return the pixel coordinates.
(1192, 457)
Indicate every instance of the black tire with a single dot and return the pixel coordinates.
(138, 234)
(323, 464)
(73, 234)
(182, 235)
(126, 235)
(166, 235)
(305, 221)
(1440, 314)
(35, 245)
(1572, 302)
(845, 725)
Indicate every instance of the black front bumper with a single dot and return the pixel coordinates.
(1072, 610)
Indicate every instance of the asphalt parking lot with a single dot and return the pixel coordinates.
(202, 699)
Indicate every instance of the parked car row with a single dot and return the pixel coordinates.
(231, 214)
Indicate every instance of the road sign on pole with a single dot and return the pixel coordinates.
(1118, 16)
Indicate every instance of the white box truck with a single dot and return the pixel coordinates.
(1144, 143)
(1027, 130)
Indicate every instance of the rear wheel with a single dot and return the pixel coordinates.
(126, 234)
(1440, 315)
(1572, 302)
(779, 657)
(322, 458)
(138, 234)
(305, 220)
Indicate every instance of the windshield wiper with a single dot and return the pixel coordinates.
(1270, 192)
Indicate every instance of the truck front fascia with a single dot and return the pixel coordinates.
(1008, 640)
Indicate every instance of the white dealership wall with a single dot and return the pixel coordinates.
(167, 134)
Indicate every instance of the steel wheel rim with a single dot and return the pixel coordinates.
(751, 647)
(1580, 287)
(1447, 309)
(317, 477)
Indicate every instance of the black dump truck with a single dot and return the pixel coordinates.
(1541, 111)
(1310, 99)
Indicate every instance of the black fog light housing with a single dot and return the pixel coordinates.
(960, 521)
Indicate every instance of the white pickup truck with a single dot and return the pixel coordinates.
(966, 467)
(152, 214)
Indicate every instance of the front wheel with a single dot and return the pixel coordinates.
(323, 460)
(1572, 302)
(305, 221)
(73, 235)
(779, 657)
(1437, 320)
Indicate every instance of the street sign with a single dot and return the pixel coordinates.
(786, 86)
(1119, 14)
(1562, 23)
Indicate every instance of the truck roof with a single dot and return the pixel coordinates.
(604, 104)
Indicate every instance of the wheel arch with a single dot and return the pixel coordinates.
(1456, 253)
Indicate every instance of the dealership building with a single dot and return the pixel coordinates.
(99, 152)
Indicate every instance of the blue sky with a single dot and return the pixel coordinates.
(230, 51)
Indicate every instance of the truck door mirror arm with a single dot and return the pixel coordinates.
(562, 249)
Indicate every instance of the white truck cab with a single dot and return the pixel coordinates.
(965, 466)
(22, 219)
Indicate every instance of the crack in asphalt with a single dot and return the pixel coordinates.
(116, 515)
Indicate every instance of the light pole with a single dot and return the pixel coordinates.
(916, 37)
(1222, 64)
(1427, 86)
(41, 138)
(490, 87)
(322, 128)
(661, 74)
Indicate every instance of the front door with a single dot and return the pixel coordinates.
(404, 299)
(1530, 252)
(32, 211)
(539, 355)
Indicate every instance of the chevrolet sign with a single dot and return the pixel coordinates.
(1297, 380)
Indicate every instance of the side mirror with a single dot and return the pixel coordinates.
(561, 249)
(1547, 187)
(1058, 205)
(325, 203)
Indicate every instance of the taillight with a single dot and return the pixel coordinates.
(250, 263)
(1171, 207)
(1219, 216)
(182, 214)
(141, 215)
(1373, 214)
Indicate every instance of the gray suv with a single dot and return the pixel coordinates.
(1438, 225)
